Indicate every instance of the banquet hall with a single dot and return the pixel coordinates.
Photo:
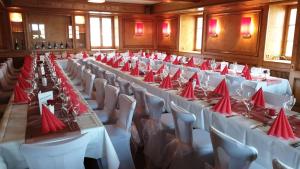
(149, 84)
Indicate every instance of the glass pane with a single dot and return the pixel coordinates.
(35, 36)
(290, 35)
(289, 48)
(41, 27)
(106, 32)
(293, 16)
(42, 36)
(77, 32)
(70, 32)
(95, 32)
(35, 27)
(199, 33)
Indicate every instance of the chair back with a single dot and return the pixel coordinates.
(214, 81)
(100, 91)
(139, 94)
(238, 68)
(229, 153)
(125, 86)
(89, 82)
(184, 121)
(234, 82)
(100, 73)
(277, 164)
(126, 109)
(155, 106)
(65, 154)
(248, 88)
(111, 98)
(111, 78)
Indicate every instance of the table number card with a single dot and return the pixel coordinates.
(43, 98)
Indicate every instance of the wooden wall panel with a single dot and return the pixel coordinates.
(1, 29)
(55, 27)
(168, 43)
(229, 39)
(130, 40)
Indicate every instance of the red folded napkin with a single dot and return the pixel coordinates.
(188, 91)
(221, 89)
(166, 83)
(281, 127)
(225, 70)
(131, 54)
(147, 55)
(176, 61)
(126, 67)
(204, 65)
(245, 69)
(247, 75)
(155, 57)
(149, 77)
(135, 71)
(104, 60)
(161, 69)
(258, 98)
(20, 96)
(23, 83)
(223, 106)
(148, 68)
(85, 55)
(177, 74)
(117, 63)
(167, 58)
(218, 66)
(191, 62)
(110, 62)
(68, 55)
(82, 108)
(195, 77)
(25, 74)
(98, 58)
(49, 122)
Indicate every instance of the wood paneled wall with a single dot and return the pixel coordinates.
(170, 42)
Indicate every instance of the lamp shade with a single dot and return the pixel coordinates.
(139, 28)
(15, 17)
(246, 26)
(166, 28)
(80, 20)
(212, 29)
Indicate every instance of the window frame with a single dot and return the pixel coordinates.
(196, 31)
(286, 29)
(101, 32)
(38, 31)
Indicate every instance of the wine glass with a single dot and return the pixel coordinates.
(204, 86)
(249, 104)
(290, 103)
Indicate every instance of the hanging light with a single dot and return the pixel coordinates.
(212, 30)
(245, 27)
(139, 28)
(96, 1)
(80, 20)
(15, 17)
(166, 29)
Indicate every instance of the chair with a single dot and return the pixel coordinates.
(238, 68)
(65, 154)
(88, 87)
(234, 83)
(98, 104)
(191, 148)
(108, 114)
(119, 132)
(277, 164)
(101, 73)
(2, 163)
(4, 83)
(125, 86)
(214, 81)
(229, 153)
(248, 89)
(111, 78)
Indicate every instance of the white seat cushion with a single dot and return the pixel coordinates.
(202, 142)
(93, 104)
(255, 165)
(167, 122)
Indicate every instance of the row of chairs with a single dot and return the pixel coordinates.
(167, 143)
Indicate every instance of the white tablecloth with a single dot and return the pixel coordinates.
(237, 127)
(13, 129)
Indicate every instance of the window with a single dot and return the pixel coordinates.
(77, 32)
(101, 32)
(38, 31)
(70, 32)
(290, 29)
(199, 27)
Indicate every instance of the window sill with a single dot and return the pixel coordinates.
(195, 52)
(279, 61)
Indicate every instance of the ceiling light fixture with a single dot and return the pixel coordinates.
(96, 1)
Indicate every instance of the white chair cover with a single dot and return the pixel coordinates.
(65, 154)
(111, 78)
(88, 89)
(229, 153)
(276, 100)
(125, 86)
(277, 164)
(108, 114)
(238, 68)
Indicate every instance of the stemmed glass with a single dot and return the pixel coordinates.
(290, 103)
(204, 86)
(249, 105)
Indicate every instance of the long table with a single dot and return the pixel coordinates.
(245, 130)
(13, 129)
